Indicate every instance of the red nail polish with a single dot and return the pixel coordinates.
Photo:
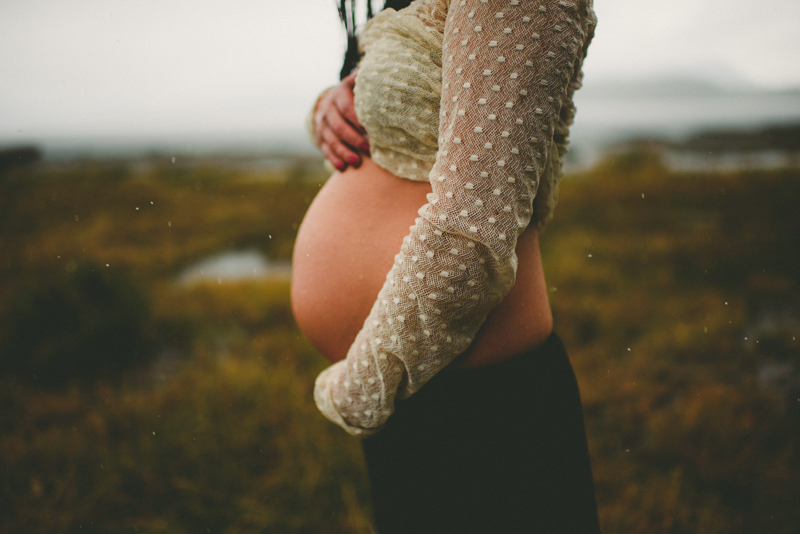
(365, 147)
(353, 160)
(340, 166)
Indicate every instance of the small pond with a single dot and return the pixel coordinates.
(234, 266)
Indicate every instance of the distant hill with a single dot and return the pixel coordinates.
(679, 86)
(18, 156)
(784, 138)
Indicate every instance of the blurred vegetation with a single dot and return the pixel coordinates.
(677, 294)
(130, 403)
(66, 326)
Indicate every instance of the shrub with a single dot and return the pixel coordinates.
(78, 325)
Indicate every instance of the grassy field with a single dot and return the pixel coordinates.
(130, 403)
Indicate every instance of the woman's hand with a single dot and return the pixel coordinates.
(339, 134)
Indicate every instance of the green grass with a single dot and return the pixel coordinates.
(203, 420)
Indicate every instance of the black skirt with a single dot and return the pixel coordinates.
(494, 449)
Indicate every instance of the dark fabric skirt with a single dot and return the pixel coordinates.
(494, 449)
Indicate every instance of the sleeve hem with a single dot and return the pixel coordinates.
(311, 128)
(325, 404)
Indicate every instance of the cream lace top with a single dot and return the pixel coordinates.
(475, 96)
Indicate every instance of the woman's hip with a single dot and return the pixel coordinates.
(500, 448)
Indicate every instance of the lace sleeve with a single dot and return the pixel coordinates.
(509, 68)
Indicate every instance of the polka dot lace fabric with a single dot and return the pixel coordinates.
(508, 71)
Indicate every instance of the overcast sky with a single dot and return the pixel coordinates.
(163, 67)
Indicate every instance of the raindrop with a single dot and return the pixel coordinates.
(588, 255)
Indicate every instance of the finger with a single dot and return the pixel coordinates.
(346, 108)
(345, 131)
(327, 108)
(320, 108)
(345, 104)
(346, 153)
(350, 80)
(332, 157)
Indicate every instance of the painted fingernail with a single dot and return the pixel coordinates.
(340, 166)
(365, 147)
(353, 159)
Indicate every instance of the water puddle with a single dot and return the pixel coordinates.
(234, 266)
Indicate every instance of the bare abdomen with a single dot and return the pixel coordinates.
(346, 245)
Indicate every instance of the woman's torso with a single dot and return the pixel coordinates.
(356, 224)
(346, 245)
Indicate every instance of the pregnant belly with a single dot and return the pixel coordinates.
(346, 245)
